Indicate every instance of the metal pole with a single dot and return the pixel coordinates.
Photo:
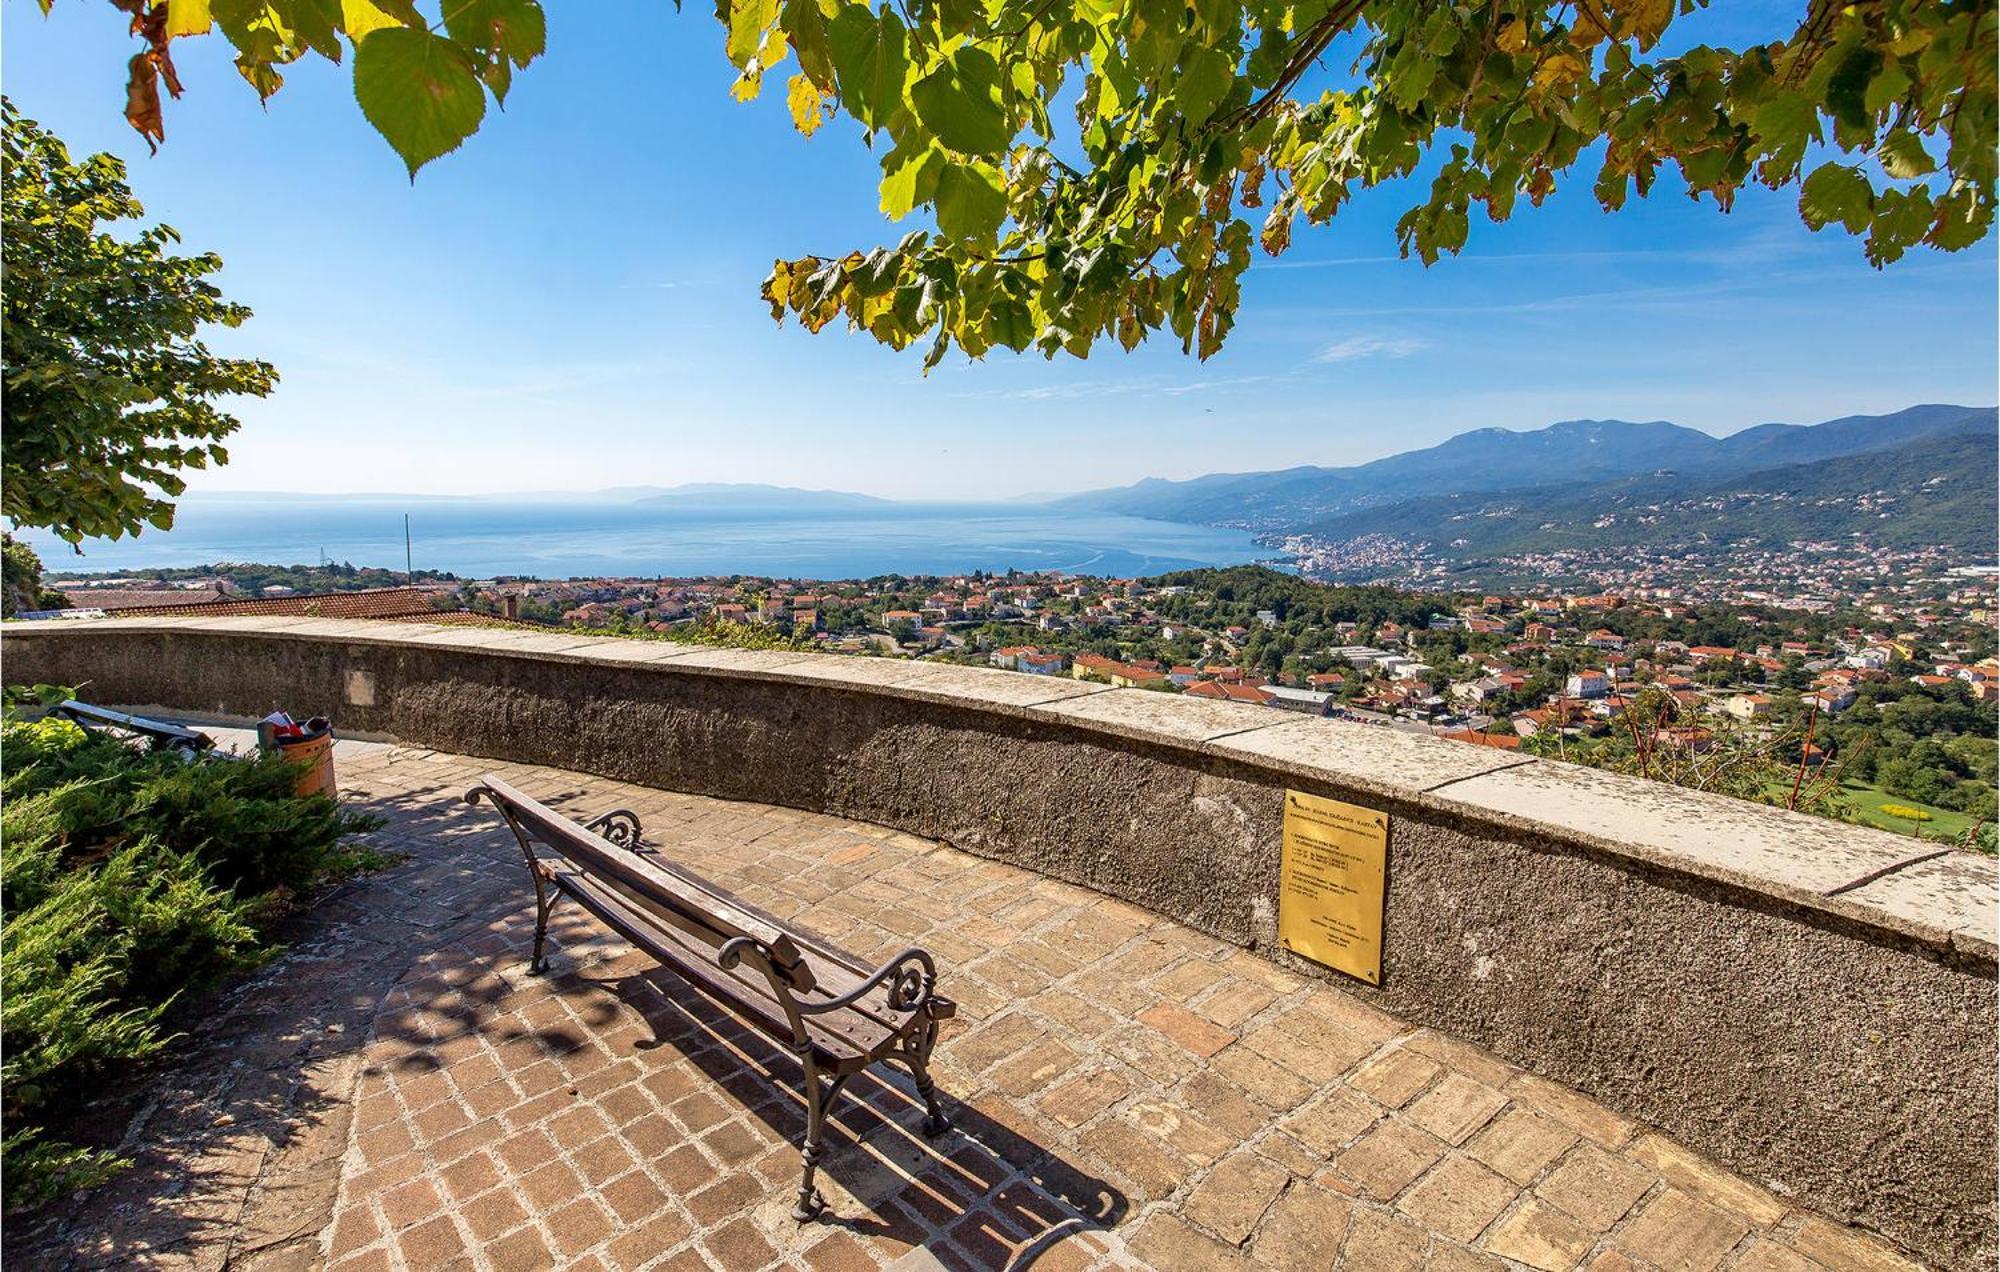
(409, 568)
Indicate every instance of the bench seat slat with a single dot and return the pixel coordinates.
(845, 1041)
(701, 909)
(834, 973)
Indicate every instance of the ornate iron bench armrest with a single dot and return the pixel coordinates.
(620, 826)
(910, 976)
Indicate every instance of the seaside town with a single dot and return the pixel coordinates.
(1872, 700)
(1815, 576)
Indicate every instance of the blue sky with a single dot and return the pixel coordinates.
(570, 301)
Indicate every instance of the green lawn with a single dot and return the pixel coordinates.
(1868, 800)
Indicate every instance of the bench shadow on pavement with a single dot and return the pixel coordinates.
(1002, 1196)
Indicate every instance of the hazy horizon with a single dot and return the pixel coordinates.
(641, 489)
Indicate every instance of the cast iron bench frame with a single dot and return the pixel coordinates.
(829, 1010)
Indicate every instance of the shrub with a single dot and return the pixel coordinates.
(1905, 812)
(720, 632)
(128, 880)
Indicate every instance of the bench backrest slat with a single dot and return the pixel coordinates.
(687, 902)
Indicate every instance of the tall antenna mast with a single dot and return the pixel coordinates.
(409, 567)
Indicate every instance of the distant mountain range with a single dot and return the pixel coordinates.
(1935, 491)
(1498, 491)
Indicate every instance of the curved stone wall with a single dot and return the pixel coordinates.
(1811, 1003)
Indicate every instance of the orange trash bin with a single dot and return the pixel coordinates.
(312, 748)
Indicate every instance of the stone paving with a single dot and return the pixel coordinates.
(399, 1093)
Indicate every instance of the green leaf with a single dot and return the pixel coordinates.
(870, 62)
(1847, 90)
(1962, 220)
(1009, 323)
(909, 180)
(1785, 123)
(960, 102)
(805, 26)
(971, 202)
(1903, 155)
(418, 91)
(1836, 192)
(316, 25)
(501, 34)
(1886, 89)
(1204, 82)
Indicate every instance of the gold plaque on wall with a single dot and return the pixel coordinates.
(1330, 885)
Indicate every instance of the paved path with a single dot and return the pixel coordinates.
(398, 1093)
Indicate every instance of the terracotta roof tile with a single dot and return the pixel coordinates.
(380, 602)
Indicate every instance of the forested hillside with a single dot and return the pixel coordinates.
(1941, 491)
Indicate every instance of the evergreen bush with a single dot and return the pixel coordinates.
(127, 881)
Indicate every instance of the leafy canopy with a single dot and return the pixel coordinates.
(1190, 118)
(109, 391)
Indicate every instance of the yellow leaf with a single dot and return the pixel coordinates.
(748, 21)
(808, 112)
(360, 17)
(1513, 37)
(1559, 70)
(1591, 26)
(1645, 20)
(187, 17)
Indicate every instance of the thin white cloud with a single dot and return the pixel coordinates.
(1355, 348)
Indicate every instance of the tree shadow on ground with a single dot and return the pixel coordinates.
(235, 1133)
(238, 1135)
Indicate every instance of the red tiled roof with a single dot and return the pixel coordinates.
(126, 599)
(1229, 693)
(1499, 741)
(379, 602)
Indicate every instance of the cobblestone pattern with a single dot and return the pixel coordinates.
(1127, 1092)
(399, 1093)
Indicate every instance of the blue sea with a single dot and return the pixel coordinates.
(478, 538)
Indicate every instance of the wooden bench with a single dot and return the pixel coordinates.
(835, 1015)
(158, 734)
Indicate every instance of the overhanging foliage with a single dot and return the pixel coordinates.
(109, 391)
(1192, 118)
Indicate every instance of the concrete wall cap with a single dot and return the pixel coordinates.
(1145, 715)
(1951, 895)
(1372, 758)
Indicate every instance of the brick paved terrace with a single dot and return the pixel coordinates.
(398, 1092)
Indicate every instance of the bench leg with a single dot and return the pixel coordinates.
(545, 900)
(819, 1100)
(935, 1121)
(919, 1056)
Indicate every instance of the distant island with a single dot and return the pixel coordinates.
(717, 496)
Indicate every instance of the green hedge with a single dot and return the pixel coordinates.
(128, 880)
